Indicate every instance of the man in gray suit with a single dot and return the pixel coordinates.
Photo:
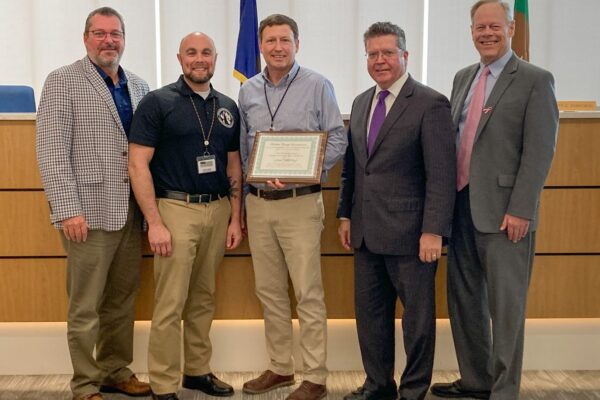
(506, 117)
(395, 206)
(82, 125)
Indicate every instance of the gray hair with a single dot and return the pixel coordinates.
(386, 28)
(105, 11)
(505, 6)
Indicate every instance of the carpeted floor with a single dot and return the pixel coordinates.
(538, 385)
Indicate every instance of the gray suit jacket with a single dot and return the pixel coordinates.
(406, 186)
(514, 143)
(82, 147)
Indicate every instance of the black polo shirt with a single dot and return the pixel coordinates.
(165, 120)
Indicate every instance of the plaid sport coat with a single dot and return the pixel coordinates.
(82, 147)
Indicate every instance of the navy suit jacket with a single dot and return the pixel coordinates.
(407, 185)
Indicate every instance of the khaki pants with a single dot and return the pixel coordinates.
(285, 238)
(184, 290)
(103, 275)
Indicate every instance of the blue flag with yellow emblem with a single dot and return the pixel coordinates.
(247, 57)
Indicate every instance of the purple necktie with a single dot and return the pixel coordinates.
(377, 120)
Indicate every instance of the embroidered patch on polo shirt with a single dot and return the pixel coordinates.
(225, 117)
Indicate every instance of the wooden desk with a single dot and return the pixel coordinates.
(565, 281)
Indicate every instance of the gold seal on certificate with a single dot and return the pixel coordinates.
(294, 157)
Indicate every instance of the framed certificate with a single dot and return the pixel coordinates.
(293, 157)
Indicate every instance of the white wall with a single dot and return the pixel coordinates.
(37, 36)
(563, 39)
(40, 348)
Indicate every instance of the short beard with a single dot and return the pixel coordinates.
(110, 64)
(200, 81)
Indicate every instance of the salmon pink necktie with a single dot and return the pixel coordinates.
(463, 161)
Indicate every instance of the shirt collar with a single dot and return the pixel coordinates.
(108, 79)
(185, 90)
(396, 86)
(286, 78)
(497, 66)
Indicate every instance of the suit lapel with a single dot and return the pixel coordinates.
(134, 92)
(363, 108)
(395, 112)
(463, 91)
(100, 86)
(504, 80)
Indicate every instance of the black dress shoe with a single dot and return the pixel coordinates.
(168, 396)
(454, 390)
(208, 384)
(365, 394)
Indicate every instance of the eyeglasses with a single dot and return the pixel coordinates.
(101, 35)
(385, 54)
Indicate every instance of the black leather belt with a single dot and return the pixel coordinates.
(191, 198)
(284, 194)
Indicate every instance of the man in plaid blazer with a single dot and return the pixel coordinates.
(82, 125)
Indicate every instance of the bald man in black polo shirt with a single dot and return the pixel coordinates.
(186, 175)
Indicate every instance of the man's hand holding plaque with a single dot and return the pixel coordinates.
(291, 157)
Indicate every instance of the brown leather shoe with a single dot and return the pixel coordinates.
(268, 380)
(91, 396)
(131, 387)
(308, 391)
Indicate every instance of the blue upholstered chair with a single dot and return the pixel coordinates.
(16, 99)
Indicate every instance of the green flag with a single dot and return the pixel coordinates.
(520, 42)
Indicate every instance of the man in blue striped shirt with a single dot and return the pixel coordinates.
(284, 220)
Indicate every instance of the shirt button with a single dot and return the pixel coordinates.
(126, 180)
(125, 154)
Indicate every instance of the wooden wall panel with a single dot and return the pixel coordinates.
(569, 221)
(145, 300)
(330, 243)
(235, 290)
(26, 228)
(26, 217)
(34, 289)
(565, 226)
(576, 161)
(18, 166)
(563, 285)
(333, 177)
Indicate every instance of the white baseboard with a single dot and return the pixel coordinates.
(550, 344)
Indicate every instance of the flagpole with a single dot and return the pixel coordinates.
(520, 41)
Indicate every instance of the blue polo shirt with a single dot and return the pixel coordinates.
(120, 95)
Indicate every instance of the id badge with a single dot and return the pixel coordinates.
(206, 164)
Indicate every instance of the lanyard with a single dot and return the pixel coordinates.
(273, 114)
(212, 123)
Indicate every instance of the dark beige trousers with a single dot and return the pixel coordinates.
(184, 290)
(103, 275)
(285, 240)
